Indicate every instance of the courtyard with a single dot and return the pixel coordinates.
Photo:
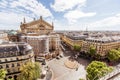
(61, 72)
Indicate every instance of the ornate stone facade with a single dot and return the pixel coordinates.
(38, 34)
(36, 27)
(43, 45)
(14, 55)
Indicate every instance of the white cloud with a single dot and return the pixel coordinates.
(73, 8)
(74, 15)
(34, 6)
(108, 23)
(11, 20)
(62, 5)
(112, 21)
(3, 3)
(14, 12)
(59, 25)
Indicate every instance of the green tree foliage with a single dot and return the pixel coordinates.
(77, 47)
(118, 49)
(92, 50)
(10, 79)
(114, 55)
(30, 71)
(97, 69)
(81, 79)
(3, 73)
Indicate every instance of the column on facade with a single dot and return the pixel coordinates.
(56, 43)
(47, 45)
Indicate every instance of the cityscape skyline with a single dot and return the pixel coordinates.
(59, 40)
(72, 15)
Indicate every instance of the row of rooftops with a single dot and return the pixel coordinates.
(104, 39)
(94, 37)
(14, 49)
(6, 46)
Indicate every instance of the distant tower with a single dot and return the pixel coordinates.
(24, 21)
(41, 17)
(34, 19)
(86, 29)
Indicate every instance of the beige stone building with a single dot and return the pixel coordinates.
(42, 45)
(13, 56)
(72, 41)
(102, 44)
(38, 34)
(3, 36)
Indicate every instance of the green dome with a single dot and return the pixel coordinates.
(12, 32)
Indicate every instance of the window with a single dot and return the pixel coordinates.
(8, 70)
(18, 64)
(7, 66)
(12, 54)
(17, 58)
(1, 66)
(1, 54)
(12, 65)
(5, 60)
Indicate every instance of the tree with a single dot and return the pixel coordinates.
(77, 47)
(30, 71)
(114, 55)
(97, 69)
(81, 79)
(10, 79)
(92, 50)
(3, 73)
(119, 49)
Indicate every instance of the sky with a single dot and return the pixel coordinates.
(65, 14)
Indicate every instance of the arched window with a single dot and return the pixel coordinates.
(15, 77)
(10, 77)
